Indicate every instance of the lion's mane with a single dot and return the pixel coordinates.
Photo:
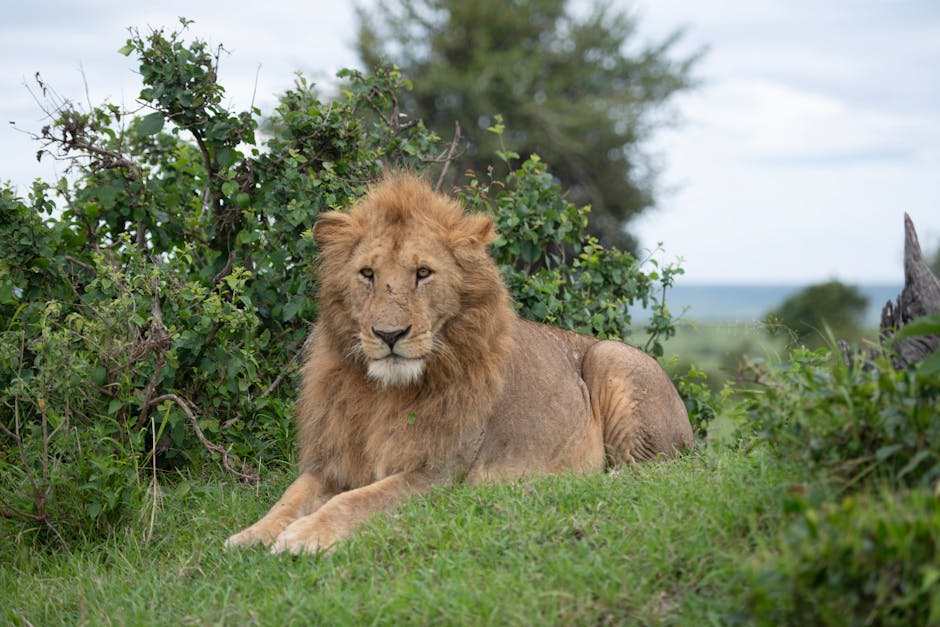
(345, 418)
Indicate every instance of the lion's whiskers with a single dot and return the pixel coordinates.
(444, 353)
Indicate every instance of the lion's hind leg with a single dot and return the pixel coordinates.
(637, 405)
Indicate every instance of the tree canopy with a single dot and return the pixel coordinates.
(577, 88)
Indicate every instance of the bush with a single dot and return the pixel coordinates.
(158, 317)
(859, 420)
(868, 560)
(557, 273)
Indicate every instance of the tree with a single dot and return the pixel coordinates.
(577, 89)
(831, 304)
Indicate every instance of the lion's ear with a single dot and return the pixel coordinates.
(476, 229)
(332, 226)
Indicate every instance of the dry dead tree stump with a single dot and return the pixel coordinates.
(920, 297)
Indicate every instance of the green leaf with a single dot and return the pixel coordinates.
(292, 308)
(530, 251)
(411, 418)
(150, 124)
(925, 325)
(99, 375)
(6, 294)
(126, 50)
(225, 156)
(229, 187)
(887, 451)
(930, 366)
(107, 195)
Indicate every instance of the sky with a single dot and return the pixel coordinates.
(814, 127)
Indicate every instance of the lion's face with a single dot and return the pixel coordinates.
(398, 274)
(402, 292)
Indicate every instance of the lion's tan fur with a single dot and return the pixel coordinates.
(493, 396)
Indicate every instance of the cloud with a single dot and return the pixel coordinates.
(763, 120)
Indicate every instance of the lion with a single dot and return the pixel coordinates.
(419, 373)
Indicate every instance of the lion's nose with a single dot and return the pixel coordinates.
(390, 337)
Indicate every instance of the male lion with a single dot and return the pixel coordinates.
(419, 373)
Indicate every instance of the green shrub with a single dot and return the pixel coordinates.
(856, 418)
(868, 560)
(157, 319)
(701, 402)
(557, 273)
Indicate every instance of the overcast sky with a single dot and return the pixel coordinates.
(817, 124)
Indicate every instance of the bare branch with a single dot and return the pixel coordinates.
(449, 157)
(215, 448)
(159, 339)
(287, 368)
(78, 262)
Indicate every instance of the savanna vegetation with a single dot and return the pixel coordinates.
(153, 306)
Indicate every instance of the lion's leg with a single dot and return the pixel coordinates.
(305, 495)
(346, 511)
(635, 402)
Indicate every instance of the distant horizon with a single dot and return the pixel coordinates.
(776, 283)
(744, 303)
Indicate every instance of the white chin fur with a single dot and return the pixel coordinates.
(396, 371)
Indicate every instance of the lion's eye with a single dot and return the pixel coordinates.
(367, 273)
(423, 273)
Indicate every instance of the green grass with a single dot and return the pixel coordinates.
(656, 543)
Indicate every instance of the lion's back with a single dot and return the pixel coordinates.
(543, 422)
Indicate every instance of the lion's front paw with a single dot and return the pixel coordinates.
(303, 536)
(259, 533)
(242, 538)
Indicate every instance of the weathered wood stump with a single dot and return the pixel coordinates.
(920, 296)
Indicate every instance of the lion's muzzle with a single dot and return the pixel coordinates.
(391, 337)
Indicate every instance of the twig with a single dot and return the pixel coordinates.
(286, 371)
(154, 485)
(254, 91)
(78, 262)
(81, 69)
(449, 158)
(227, 270)
(148, 391)
(215, 448)
(284, 374)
